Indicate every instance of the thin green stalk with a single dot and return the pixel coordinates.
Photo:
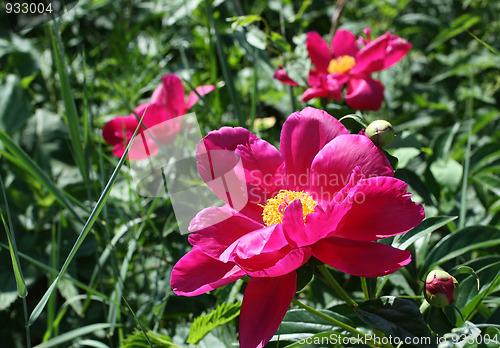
(228, 77)
(336, 286)
(51, 305)
(83, 234)
(26, 323)
(366, 294)
(465, 174)
(253, 107)
(70, 115)
(333, 321)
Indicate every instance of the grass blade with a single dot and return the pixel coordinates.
(465, 174)
(70, 335)
(228, 77)
(22, 291)
(71, 114)
(85, 231)
(21, 159)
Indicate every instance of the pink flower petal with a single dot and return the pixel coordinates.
(319, 224)
(333, 165)
(171, 94)
(371, 57)
(364, 259)
(218, 228)
(276, 263)
(193, 97)
(143, 146)
(119, 130)
(379, 207)
(264, 240)
(196, 273)
(244, 164)
(314, 92)
(261, 161)
(154, 113)
(265, 253)
(364, 93)
(303, 135)
(397, 49)
(319, 52)
(344, 44)
(265, 303)
(282, 76)
(220, 166)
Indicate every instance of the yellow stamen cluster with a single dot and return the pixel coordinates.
(341, 64)
(275, 207)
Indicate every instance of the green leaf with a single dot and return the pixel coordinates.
(484, 44)
(68, 290)
(71, 115)
(256, 38)
(85, 231)
(22, 290)
(424, 228)
(14, 109)
(458, 26)
(17, 156)
(73, 334)
(396, 317)
(458, 243)
(445, 173)
(243, 21)
(138, 339)
(203, 324)
(300, 323)
(468, 297)
(468, 270)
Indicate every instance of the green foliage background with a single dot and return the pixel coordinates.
(62, 81)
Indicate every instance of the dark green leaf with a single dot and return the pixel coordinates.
(460, 242)
(395, 317)
(14, 109)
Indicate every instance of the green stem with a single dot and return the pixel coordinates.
(333, 321)
(366, 294)
(465, 175)
(336, 286)
(26, 325)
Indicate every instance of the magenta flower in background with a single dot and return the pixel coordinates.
(167, 102)
(346, 64)
(326, 193)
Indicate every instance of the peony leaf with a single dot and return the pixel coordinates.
(299, 324)
(138, 339)
(458, 243)
(398, 318)
(203, 324)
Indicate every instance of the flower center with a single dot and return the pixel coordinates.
(341, 64)
(275, 207)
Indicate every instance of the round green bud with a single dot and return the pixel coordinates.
(441, 289)
(380, 132)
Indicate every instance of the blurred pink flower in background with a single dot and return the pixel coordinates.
(346, 64)
(167, 102)
(326, 193)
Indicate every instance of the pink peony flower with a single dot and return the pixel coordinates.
(167, 102)
(346, 63)
(326, 193)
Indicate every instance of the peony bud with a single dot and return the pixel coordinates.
(440, 289)
(380, 132)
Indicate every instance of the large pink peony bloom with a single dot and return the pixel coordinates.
(167, 102)
(347, 64)
(326, 193)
